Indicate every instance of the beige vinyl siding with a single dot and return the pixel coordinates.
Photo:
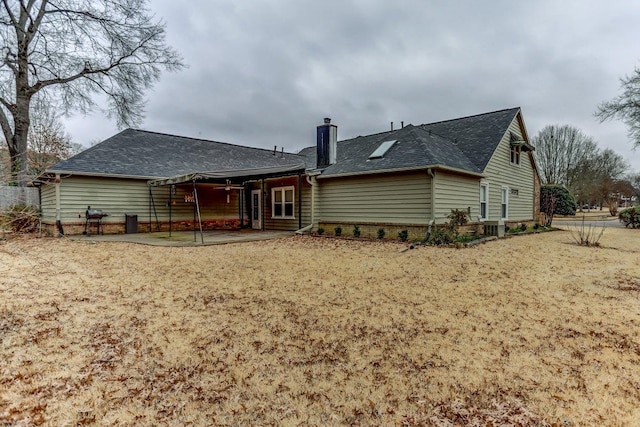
(500, 172)
(48, 202)
(456, 192)
(118, 197)
(287, 224)
(399, 198)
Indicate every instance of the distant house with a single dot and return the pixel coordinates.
(401, 179)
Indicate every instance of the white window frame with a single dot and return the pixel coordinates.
(484, 185)
(515, 152)
(283, 191)
(504, 202)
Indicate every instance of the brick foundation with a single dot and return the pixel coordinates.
(74, 228)
(414, 231)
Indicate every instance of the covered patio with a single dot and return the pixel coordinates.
(239, 181)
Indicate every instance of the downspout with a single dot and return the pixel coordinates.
(312, 181)
(57, 181)
(432, 221)
(58, 213)
(432, 174)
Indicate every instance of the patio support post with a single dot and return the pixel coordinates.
(170, 203)
(240, 207)
(195, 195)
(299, 201)
(264, 196)
(155, 212)
(150, 202)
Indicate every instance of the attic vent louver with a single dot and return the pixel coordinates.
(382, 149)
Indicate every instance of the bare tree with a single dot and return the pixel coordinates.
(611, 164)
(625, 107)
(48, 143)
(599, 178)
(68, 51)
(561, 151)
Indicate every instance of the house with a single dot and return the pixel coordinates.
(115, 176)
(406, 178)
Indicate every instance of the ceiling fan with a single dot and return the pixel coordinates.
(229, 187)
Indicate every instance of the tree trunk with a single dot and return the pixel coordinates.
(21, 113)
(19, 160)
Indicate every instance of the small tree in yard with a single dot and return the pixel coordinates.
(448, 233)
(555, 200)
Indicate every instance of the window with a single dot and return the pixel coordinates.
(484, 196)
(282, 202)
(516, 150)
(504, 203)
(382, 149)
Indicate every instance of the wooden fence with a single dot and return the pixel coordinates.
(14, 195)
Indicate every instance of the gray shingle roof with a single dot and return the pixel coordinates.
(465, 144)
(476, 136)
(139, 153)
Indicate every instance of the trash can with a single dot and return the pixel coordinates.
(131, 223)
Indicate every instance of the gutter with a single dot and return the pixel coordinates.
(416, 168)
(100, 175)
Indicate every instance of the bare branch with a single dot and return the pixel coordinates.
(71, 50)
(625, 107)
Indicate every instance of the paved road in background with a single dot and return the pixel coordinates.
(563, 223)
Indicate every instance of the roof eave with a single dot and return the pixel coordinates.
(99, 175)
(408, 169)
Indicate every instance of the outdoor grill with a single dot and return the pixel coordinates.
(93, 216)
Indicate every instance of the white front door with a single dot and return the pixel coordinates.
(256, 209)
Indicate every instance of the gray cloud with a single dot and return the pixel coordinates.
(264, 73)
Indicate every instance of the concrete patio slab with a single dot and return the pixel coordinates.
(187, 238)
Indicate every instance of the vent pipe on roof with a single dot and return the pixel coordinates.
(326, 145)
(275, 149)
(391, 126)
(402, 124)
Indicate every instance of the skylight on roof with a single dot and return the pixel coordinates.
(382, 149)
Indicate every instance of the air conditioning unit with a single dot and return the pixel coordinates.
(494, 228)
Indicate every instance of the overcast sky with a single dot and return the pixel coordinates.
(265, 72)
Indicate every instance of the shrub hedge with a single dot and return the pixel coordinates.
(630, 217)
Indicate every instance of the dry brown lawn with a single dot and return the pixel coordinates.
(530, 330)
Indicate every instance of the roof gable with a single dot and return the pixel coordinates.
(138, 153)
(476, 136)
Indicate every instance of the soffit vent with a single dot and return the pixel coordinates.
(382, 149)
